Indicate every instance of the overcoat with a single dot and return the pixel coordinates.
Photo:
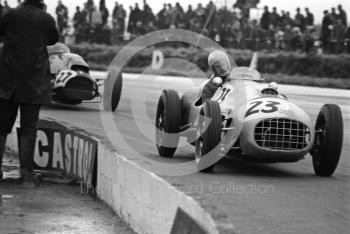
(24, 61)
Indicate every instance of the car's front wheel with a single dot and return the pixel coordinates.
(168, 122)
(208, 133)
(329, 140)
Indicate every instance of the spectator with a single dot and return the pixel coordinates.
(179, 15)
(299, 20)
(161, 17)
(296, 40)
(134, 18)
(69, 35)
(121, 18)
(309, 19)
(1, 9)
(189, 16)
(275, 17)
(342, 15)
(24, 81)
(170, 16)
(96, 18)
(79, 22)
(89, 7)
(210, 12)
(309, 40)
(288, 35)
(337, 37)
(200, 13)
(6, 8)
(279, 38)
(265, 19)
(78, 17)
(287, 20)
(334, 15)
(347, 40)
(62, 16)
(104, 12)
(131, 25)
(326, 27)
(115, 15)
(146, 15)
(270, 36)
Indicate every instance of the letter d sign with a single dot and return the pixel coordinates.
(157, 60)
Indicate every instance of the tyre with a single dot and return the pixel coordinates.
(208, 134)
(117, 92)
(168, 122)
(328, 141)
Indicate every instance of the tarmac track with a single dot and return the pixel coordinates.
(251, 198)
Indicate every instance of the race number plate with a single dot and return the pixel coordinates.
(63, 77)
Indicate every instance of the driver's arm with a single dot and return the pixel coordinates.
(209, 91)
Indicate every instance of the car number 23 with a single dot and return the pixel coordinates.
(263, 107)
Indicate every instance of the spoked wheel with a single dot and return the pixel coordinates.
(329, 140)
(168, 122)
(208, 132)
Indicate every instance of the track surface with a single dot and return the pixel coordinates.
(252, 198)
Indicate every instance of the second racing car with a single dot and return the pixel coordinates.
(71, 79)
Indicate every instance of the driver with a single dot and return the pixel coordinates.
(219, 62)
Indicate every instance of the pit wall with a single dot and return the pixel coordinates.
(145, 201)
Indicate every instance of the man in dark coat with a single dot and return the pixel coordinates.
(265, 20)
(342, 15)
(24, 75)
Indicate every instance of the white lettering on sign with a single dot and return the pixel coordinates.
(157, 60)
(41, 158)
(57, 157)
(75, 154)
(86, 159)
(80, 157)
(65, 151)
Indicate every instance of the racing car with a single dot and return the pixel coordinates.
(71, 80)
(249, 119)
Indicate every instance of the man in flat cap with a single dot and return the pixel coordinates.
(25, 76)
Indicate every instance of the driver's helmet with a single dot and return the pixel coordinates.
(219, 62)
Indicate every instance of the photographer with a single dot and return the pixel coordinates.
(25, 72)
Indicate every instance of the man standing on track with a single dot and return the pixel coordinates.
(25, 75)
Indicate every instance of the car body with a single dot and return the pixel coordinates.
(255, 122)
(257, 110)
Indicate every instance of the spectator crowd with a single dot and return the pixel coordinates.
(231, 27)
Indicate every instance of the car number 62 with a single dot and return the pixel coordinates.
(264, 107)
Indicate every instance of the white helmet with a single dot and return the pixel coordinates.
(219, 62)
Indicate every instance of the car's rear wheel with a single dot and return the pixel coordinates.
(168, 122)
(117, 92)
(329, 140)
(208, 132)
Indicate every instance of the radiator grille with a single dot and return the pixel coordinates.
(282, 134)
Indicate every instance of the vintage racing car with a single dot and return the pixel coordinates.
(250, 119)
(71, 80)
